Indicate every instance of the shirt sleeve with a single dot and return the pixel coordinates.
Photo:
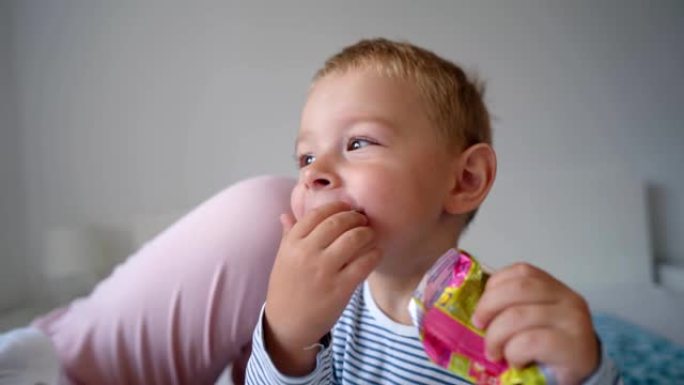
(606, 373)
(262, 371)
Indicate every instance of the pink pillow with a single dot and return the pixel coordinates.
(184, 306)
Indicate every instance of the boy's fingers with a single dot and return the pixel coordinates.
(316, 216)
(360, 267)
(348, 246)
(536, 345)
(520, 270)
(515, 320)
(334, 226)
(512, 292)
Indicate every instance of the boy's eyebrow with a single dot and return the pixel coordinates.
(300, 138)
(348, 123)
(384, 122)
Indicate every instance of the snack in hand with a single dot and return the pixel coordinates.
(441, 308)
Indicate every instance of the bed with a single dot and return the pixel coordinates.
(644, 357)
(603, 210)
(589, 226)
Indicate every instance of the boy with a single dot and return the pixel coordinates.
(395, 157)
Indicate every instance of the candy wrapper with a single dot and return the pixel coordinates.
(442, 307)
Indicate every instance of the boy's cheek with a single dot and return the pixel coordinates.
(297, 202)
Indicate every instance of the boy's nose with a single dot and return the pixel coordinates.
(318, 176)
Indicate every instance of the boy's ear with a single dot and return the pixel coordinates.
(473, 175)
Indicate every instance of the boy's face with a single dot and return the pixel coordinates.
(366, 139)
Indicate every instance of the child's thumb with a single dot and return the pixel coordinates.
(287, 220)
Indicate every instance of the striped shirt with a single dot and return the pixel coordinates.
(369, 348)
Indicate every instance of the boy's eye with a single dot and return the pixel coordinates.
(358, 143)
(305, 160)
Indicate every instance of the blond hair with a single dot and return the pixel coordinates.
(454, 101)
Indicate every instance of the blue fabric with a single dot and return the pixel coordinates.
(644, 358)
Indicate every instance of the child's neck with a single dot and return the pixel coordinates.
(393, 281)
(392, 292)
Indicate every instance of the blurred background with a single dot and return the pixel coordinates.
(118, 117)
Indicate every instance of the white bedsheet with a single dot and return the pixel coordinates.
(27, 357)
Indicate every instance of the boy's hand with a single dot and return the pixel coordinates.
(530, 317)
(321, 260)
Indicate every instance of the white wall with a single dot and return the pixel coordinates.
(131, 108)
(12, 216)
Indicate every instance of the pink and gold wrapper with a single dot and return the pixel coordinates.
(442, 307)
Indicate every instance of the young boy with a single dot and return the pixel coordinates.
(395, 157)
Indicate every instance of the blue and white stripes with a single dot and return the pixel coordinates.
(369, 348)
(363, 351)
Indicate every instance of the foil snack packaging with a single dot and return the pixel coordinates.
(441, 308)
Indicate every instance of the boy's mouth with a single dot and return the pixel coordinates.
(320, 201)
